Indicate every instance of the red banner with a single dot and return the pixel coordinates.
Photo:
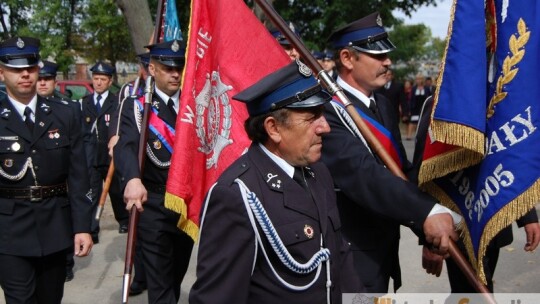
(228, 50)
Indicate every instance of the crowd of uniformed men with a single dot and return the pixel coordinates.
(308, 213)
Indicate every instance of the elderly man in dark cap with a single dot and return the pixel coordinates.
(166, 250)
(43, 157)
(270, 229)
(98, 109)
(373, 202)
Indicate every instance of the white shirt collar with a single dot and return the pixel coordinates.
(285, 166)
(363, 98)
(166, 97)
(104, 96)
(19, 107)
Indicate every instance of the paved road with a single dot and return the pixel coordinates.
(98, 278)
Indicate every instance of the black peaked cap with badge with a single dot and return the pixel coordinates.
(102, 68)
(48, 69)
(171, 53)
(280, 37)
(364, 35)
(19, 52)
(292, 86)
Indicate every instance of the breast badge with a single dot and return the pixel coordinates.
(157, 144)
(8, 162)
(308, 231)
(54, 134)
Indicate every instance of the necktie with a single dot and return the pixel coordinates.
(28, 118)
(374, 109)
(298, 176)
(98, 103)
(170, 105)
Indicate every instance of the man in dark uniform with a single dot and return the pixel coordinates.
(46, 88)
(394, 92)
(132, 88)
(98, 108)
(47, 81)
(42, 157)
(373, 202)
(292, 200)
(166, 250)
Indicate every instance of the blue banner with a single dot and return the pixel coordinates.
(505, 97)
(171, 26)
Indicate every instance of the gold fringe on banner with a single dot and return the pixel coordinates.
(463, 230)
(506, 216)
(458, 135)
(178, 205)
(502, 219)
(443, 164)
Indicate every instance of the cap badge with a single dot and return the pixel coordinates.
(379, 20)
(100, 68)
(303, 68)
(40, 64)
(175, 46)
(20, 43)
(308, 231)
(291, 26)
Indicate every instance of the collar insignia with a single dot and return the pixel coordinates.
(5, 113)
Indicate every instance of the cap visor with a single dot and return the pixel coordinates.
(318, 99)
(376, 47)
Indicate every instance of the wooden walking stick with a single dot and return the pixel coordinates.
(105, 191)
(110, 171)
(373, 142)
(134, 213)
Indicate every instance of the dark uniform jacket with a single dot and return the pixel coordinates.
(395, 95)
(371, 200)
(97, 135)
(127, 147)
(227, 250)
(45, 226)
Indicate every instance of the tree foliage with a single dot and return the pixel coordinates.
(106, 33)
(98, 29)
(316, 19)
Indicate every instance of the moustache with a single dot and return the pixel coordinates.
(382, 72)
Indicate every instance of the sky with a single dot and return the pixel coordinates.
(435, 18)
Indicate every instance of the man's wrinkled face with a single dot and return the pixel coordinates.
(101, 83)
(300, 137)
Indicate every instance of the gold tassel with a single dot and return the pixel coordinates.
(458, 135)
(446, 163)
(178, 205)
